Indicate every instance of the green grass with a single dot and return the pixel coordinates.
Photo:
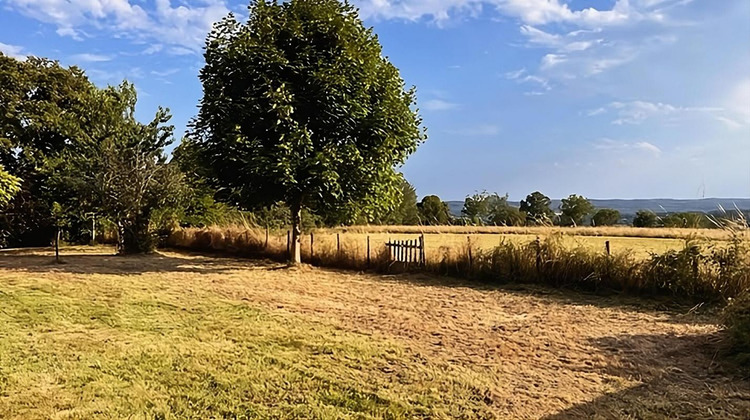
(119, 346)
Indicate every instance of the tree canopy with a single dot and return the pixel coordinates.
(301, 106)
(574, 209)
(536, 206)
(434, 211)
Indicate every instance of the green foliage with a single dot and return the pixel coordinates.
(434, 211)
(44, 108)
(645, 218)
(301, 106)
(536, 206)
(9, 186)
(686, 220)
(476, 208)
(121, 171)
(504, 214)
(405, 212)
(605, 217)
(574, 209)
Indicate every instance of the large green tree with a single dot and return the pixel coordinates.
(44, 109)
(536, 206)
(574, 209)
(300, 106)
(605, 217)
(434, 211)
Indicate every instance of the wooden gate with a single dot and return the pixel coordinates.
(409, 251)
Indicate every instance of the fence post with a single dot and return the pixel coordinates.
(266, 245)
(471, 260)
(538, 255)
(311, 246)
(338, 245)
(422, 257)
(368, 251)
(288, 244)
(606, 245)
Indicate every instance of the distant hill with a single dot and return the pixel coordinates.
(657, 205)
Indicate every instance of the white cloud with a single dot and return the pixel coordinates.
(90, 58)
(438, 105)
(636, 112)
(596, 111)
(165, 73)
(615, 146)
(12, 51)
(738, 101)
(184, 25)
(551, 60)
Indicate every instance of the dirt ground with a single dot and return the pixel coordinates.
(549, 354)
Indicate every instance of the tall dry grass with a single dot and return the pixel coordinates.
(612, 231)
(701, 270)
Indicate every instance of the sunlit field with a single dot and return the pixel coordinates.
(177, 335)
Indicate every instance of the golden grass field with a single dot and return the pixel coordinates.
(179, 335)
(640, 242)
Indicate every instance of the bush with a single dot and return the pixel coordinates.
(737, 322)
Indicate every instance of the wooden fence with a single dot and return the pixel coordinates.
(410, 251)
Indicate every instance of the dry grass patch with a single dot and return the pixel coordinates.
(182, 335)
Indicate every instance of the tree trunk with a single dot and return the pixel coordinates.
(296, 247)
(57, 246)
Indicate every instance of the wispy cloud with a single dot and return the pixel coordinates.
(14, 51)
(165, 73)
(617, 146)
(90, 58)
(438, 105)
(636, 112)
(184, 25)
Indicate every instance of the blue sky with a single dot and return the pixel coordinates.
(609, 99)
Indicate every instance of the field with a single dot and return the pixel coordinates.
(638, 242)
(178, 335)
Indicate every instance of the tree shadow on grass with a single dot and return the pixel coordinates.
(677, 377)
(677, 310)
(101, 260)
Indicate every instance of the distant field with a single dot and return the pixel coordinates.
(438, 239)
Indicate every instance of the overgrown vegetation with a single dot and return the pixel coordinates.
(700, 271)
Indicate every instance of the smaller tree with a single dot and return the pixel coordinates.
(434, 211)
(574, 209)
(507, 215)
(475, 208)
(645, 218)
(536, 206)
(605, 217)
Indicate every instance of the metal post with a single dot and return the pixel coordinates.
(311, 245)
(288, 244)
(338, 245)
(368, 250)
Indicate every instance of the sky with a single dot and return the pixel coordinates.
(606, 98)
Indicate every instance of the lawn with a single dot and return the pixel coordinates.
(178, 335)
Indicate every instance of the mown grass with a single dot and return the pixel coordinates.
(130, 346)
